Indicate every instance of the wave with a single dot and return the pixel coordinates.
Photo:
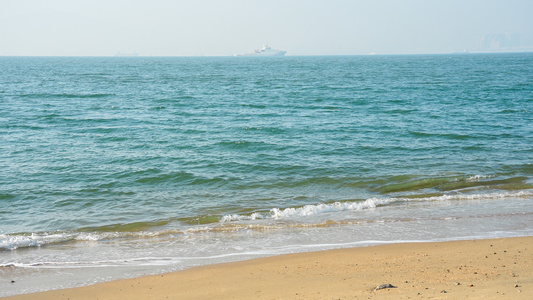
(35, 240)
(452, 183)
(309, 210)
(300, 217)
(12, 242)
(66, 95)
(321, 208)
(451, 136)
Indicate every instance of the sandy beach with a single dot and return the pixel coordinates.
(474, 269)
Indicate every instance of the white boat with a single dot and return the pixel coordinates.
(265, 51)
(120, 53)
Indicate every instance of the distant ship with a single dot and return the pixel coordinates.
(120, 53)
(265, 51)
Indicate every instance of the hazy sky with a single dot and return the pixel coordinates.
(225, 27)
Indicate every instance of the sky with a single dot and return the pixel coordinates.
(226, 27)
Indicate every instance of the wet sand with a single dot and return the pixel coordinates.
(474, 269)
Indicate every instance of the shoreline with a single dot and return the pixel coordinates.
(492, 268)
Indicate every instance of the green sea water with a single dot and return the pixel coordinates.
(204, 159)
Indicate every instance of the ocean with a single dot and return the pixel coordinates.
(117, 167)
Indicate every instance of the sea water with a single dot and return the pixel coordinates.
(115, 167)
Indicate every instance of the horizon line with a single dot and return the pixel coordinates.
(296, 55)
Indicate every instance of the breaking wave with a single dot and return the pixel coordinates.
(235, 222)
(310, 210)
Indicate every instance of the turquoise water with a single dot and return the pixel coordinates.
(118, 167)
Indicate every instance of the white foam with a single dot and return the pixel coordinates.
(316, 209)
(310, 210)
(8, 242)
(235, 217)
(15, 241)
(479, 196)
(476, 178)
(12, 242)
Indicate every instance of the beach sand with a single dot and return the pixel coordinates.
(474, 269)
